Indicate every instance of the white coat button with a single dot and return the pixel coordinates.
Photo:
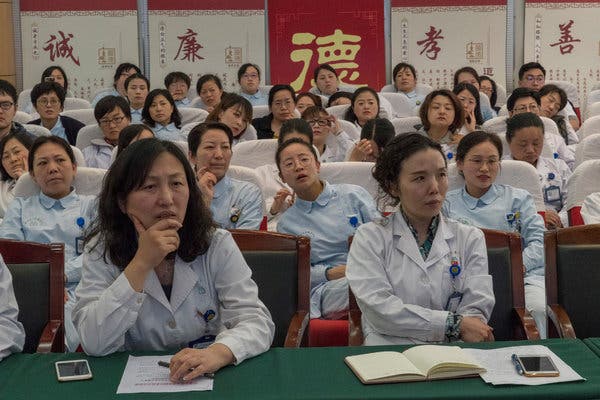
(172, 324)
(139, 300)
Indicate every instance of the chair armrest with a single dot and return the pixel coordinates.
(527, 328)
(559, 317)
(355, 333)
(296, 329)
(49, 336)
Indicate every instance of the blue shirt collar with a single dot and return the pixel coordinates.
(170, 127)
(487, 198)
(411, 95)
(322, 199)
(49, 202)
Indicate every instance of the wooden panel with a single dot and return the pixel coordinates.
(7, 53)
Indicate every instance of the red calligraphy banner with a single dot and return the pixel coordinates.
(347, 34)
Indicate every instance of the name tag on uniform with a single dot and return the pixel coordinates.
(552, 194)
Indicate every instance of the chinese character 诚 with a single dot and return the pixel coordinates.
(60, 47)
(430, 44)
(189, 46)
(565, 42)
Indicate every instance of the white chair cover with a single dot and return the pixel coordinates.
(595, 86)
(589, 127)
(406, 124)
(85, 116)
(495, 125)
(254, 153)
(22, 117)
(484, 101)
(401, 105)
(500, 95)
(260, 111)
(503, 111)
(338, 111)
(86, 134)
(24, 99)
(570, 89)
(356, 173)
(247, 175)
(593, 109)
(37, 130)
(593, 96)
(79, 159)
(87, 181)
(389, 88)
(423, 88)
(583, 182)
(588, 149)
(192, 115)
(518, 174)
(74, 103)
(350, 129)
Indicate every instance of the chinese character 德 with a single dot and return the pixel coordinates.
(565, 42)
(338, 50)
(60, 48)
(430, 44)
(189, 46)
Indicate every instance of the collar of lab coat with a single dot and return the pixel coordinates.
(406, 243)
(184, 280)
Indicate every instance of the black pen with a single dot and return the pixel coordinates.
(515, 360)
(168, 365)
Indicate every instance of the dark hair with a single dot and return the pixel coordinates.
(295, 125)
(108, 104)
(313, 111)
(323, 66)
(46, 88)
(175, 76)
(7, 89)
(475, 93)
(315, 98)
(520, 121)
(23, 138)
(550, 88)
(48, 72)
(401, 66)
(129, 133)
(379, 130)
(278, 88)
(287, 143)
(469, 70)
(113, 227)
(195, 135)
(229, 100)
(337, 95)
(136, 76)
(175, 115)
(459, 115)
(530, 65)
(242, 70)
(41, 140)
(207, 78)
(122, 68)
(473, 139)
(389, 164)
(520, 93)
(494, 97)
(350, 115)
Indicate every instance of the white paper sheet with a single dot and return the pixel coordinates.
(144, 375)
(502, 371)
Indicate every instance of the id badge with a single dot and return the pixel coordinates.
(202, 342)
(79, 245)
(552, 194)
(453, 302)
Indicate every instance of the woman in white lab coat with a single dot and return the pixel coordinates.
(157, 274)
(417, 276)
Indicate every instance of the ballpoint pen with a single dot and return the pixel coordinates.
(168, 365)
(517, 364)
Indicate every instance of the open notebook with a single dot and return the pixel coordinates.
(419, 363)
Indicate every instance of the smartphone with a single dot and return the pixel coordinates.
(49, 79)
(538, 366)
(75, 370)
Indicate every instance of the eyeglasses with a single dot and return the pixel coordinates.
(290, 164)
(492, 162)
(537, 78)
(281, 104)
(45, 102)
(6, 105)
(250, 76)
(115, 120)
(320, 122)
(530, 107)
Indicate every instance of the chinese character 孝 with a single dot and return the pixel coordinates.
(565, 43)
(430, 44)
(188, 46)
(338, 50)
(60, 47)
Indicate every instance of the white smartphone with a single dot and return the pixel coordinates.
(538, 366)
(74, 370)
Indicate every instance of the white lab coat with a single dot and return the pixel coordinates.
(110, 316)
(402, 297)
(12, 334)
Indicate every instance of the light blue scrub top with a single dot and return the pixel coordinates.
(257, 99)
(169, 132)
(237, 204)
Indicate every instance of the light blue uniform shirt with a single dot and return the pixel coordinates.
(169, 132)
(12, 334)
(257, 99)
(415, 98)
(237, 204)
(185, 102)
(108, 92)
(136, 116)
(498, 209)
(58, 130)
(98, 154)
